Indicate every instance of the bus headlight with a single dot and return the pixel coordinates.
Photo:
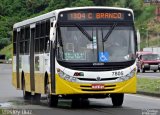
(128, 76)
(65, 76)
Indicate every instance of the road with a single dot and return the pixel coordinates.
(6, 89)
(134, 104)
(150, 74)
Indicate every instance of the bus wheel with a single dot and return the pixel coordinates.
(76, 102)
(117, 99)
(36, 98)
(84, 102)
(26, 94)
(52, 100)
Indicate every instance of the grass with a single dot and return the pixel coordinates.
(0, 111)
(148, 85)
(7, 51)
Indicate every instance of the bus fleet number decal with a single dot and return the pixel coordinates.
(117, 73)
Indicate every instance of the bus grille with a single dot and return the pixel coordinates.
(94, 79)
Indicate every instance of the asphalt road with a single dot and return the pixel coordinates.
(150, 74)
(133, 104)
(6, 89)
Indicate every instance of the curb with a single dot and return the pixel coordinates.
(148, 93)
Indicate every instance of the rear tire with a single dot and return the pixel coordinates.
(36, 98)
(117, 99)
(155, 70)
(52, 100)
(26, 94)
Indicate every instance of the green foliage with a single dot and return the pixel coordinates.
(4, 42)
(7, 51)
(57, 4)
(146, 15)
(82, 3)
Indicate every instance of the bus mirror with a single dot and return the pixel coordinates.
(53, 33)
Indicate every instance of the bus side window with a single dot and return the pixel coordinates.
(27, 38)
(14, 42)
(47, 41)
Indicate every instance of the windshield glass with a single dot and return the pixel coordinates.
(151, 57)
(87, 44)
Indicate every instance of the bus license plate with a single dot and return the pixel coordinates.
(97, 86)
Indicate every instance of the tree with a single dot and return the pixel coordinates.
(4, 42)
(82, 3)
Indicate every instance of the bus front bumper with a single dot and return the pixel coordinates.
(66, 87)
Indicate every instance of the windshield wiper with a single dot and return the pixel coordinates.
(109, 33)
(84, 32)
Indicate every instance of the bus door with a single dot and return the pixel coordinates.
(52, 56)
(32, 37)
(17, 57)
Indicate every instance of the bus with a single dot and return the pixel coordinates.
(76, 53)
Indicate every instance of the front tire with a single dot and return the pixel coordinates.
(117, 99)
(75, 102)
(51, 99)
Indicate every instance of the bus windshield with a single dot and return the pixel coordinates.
(96, 43)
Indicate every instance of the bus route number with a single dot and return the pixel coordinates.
(117, 73)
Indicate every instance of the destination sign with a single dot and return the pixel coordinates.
(95, 15)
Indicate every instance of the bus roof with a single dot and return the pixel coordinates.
(56, 12)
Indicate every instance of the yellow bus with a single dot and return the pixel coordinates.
(76, 53)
